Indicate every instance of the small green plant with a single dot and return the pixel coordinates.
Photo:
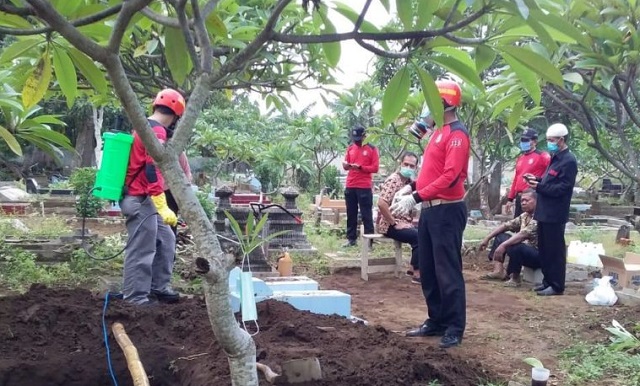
(587, 234)
(82, 180)
(331, 181)
(251, 238)
(533, 362)
(207, 205)
(62, 184)
(583, 363)
(623, 340)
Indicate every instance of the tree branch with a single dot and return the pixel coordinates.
(632, 115)
(377, 36)
(75, 23)
(202, 35)
(129, 9)
(381, 52)
(58, 23)
(18, 11)
(362, 15)
(184, 26)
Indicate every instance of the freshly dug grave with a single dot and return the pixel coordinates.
(54, 337)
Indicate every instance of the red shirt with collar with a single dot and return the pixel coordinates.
(143, 177)
(536, 163)
(445, 164)
(367, 157)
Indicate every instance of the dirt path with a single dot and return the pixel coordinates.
(504, 325)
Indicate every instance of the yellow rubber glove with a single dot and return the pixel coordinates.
(160, 202)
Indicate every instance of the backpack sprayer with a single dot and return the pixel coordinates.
(110, 179)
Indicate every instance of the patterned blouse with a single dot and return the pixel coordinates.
(527, 225)
(389, 188)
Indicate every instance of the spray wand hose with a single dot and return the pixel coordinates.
(84, 237)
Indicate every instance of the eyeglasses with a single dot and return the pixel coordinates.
(409, 165)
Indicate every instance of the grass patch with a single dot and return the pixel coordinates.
(39, 227)
(584, 363)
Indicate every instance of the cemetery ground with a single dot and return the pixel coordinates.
(52, 335)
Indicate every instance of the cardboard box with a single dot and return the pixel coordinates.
(625, 272)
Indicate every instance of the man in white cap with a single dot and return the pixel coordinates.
(554, 189)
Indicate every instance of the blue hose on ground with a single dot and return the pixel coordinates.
(106, 340)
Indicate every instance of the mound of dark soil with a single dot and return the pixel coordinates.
(54, 337)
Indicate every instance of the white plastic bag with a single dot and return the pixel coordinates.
(603, 293)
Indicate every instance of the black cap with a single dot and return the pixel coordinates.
(357, 133)
(529, 134)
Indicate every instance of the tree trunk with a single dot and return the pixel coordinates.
(84, 141)
(98, 116)
(484, 200)
(236, 343)
(494, 185)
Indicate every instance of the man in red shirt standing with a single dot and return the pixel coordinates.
(440, 189)
(149, 255)
(361, 161)
(532, 161)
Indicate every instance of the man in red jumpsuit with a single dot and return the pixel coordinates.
(361, 162)
(440, 190)
(532, 161)
(149, 255)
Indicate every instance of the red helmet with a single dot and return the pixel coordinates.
(172, 99)
(450, 92)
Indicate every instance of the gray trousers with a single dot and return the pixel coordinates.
(148, 261)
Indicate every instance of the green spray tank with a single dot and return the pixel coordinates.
(113, 167)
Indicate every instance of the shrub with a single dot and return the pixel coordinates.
(82, 180)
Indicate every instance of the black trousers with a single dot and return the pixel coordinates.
(522, 255)
(499, 239)
(362, 198)
(409, 236)
(553, 254)
(439, 247)
(173, 205)
(517, 205)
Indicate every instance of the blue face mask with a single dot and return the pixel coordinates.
(408, 173)
(525, 146)
(552, 147)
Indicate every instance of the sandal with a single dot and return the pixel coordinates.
(415, 280)
(512, 284)
(492, 276)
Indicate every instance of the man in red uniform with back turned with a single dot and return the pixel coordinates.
(440, 190)
(531, 161)
(362, 162)
(148, 262)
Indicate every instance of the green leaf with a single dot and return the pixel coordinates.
(515, 116)
(18, 48)
(426, 9)
(507, 101)
(216, 25)
(541, 65)
(458, 54)
(573, 77)
(11, 141)
(528, 78)
(245, 33)
(431, 96)
(51, 136)
(533, 362)
(465, 72)
(11, 104)
(395, 95)
(405, 12)
(177, 55)
(14, 21)
(38, 81)
(352, 15)
(65, 74)
(48, 120)
(332, 50)
(557, 23)
(89, 70)
(140, 50)
(485, 56)
(523, 9)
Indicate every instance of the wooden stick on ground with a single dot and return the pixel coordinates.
(269, 374)
(131, 354)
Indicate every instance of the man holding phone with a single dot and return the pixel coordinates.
(554, 189)
(361, 162)
(532, 161)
